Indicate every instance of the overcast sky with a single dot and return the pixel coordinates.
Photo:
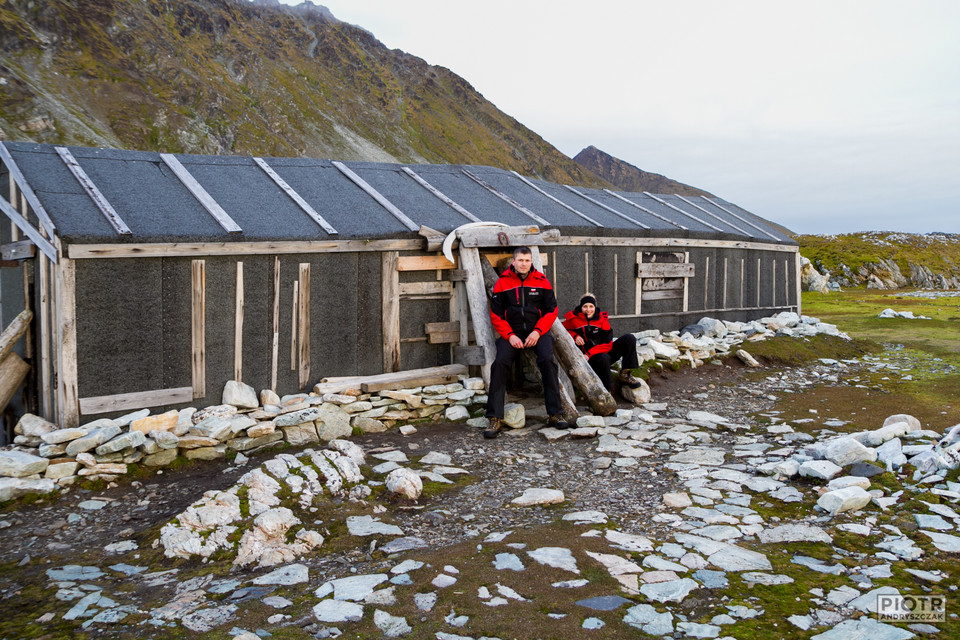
(826, 116)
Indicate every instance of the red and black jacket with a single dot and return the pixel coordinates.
(520, 305)
(596, 331)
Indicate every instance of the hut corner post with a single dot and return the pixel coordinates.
(68, 402)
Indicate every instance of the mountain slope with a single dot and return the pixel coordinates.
(231, 77)
(628, 177)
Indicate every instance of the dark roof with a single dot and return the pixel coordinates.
(156, 206)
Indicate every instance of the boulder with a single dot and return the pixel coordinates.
(844, 451)
(639, 395)
(34, 426)
(11, 488)
(514, 415)
(405, 482)
(163, 422)
(847, 499)
(332, 422)
(19, 464)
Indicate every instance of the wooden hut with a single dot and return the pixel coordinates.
(155, 278)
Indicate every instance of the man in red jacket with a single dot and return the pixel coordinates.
(523, 307)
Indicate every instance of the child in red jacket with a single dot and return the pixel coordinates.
(590, 330)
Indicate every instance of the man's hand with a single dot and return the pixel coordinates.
(515, 342)
(579, 341)
(532, 339)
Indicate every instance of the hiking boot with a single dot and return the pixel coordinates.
(493, 429)
(557, 422)
(627, 379)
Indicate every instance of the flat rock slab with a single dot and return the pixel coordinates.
(532, 497)
(604, 603)
(586, 517)
(673, 591)
(864, 629)
(649, 620)
(337, 611)
(291, 574)
(943, 542)
(370, 526)
(797, 532)
(556, 557)
(707, 457)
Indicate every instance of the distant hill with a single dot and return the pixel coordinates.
(234, 77)
(630, 178)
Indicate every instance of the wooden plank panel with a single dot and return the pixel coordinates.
(22, 250)
(686, 285)
(238, 327)
(507, 237)
(665, 270)
(197, 249)
(444, 337)
(304, 325)
(663, 284)
(676, 294)
(12, 334)
(69, 409)
(275, 351)
(336, 385)
(639, 285)
(293, 325)
(45, 377)
(135, 400)
(424, 288)
(587, 241)
(198, 328)
(479, 309)
(390, 284)
(372, 387)
(616, 285)
(431, 327)
(28, 230)
(17, 176)
(424, 263)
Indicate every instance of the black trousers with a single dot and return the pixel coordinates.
(501, 368)
(624, 347)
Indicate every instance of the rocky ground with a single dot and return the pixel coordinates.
(664, 528)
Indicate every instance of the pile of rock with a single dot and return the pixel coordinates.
(45, 457)
(890, 313)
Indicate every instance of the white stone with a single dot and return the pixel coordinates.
(848, 481)
(350, 449)
(391, 626)
(840, 500)
(456, 413)
(514, 415)
(536, 496)
(677, 500)
(368, 526)
(337, 611)
(19, 464)
(405, 482)
(240, 395)
(820, 469)
(556, 557)
(332, 423)
(795, 532)
(912, 423)
(291, 574)
(672, 591)
(845, 451)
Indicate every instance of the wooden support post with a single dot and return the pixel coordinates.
(638, 304)
(12, 372)
(586, 271)
(773, 283)
(686, 285)
(198, 328)
(25, 269)
(14, 332)
(724, 305)
(706, 282)
(293, 325)
(796, 274)
(616, 285)
(275, 352)
(304, 329)
(390, 285)
(45, 378)
(571, 360)
(238, 327)
(758, 283)
(69, 413)
(479, 311)
(743, 277)
(786, 282)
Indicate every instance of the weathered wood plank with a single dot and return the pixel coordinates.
(508, 237)
(390, 288)
(22, 250)
(201, 194)
(686, 285)
(376, 195)
(275, 350)
(69, 409)
(28, 230)
(12, 334)
(616, 285)
(513, 203)
(650, 243)
(479, 310)
(198, 328)
(99, 200)
(238, 326)
(304, 325)
(423, 263)
(425, 288)
(676, 294)
(339, 384)
(296, 197)
(665, 270)
(495, 258)
(294, 334)
(17, 176)
(663, 284)
(442, 327)
(440, 195)
(13, 370)
(373, 387)
(638, 299)
(434, 239)
(196, 249)
(46, 362)
(444, 337)
(135, 400)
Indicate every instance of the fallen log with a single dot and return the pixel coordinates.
(394, 380)
(12, 372)
(14, 331)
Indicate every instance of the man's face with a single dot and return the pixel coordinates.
(522, 262)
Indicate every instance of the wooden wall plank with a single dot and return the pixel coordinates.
(45, 376)
(424, 263)
(198, 328)
(665, 270)
(479, 309)
(390, 286)
(135, 400)
(424, 288)
(197, 249)
(238, 326)
(69, 409)
(639, 285)
(275, 351)
(304, 328)
(294, 333)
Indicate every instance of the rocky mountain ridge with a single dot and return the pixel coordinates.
(628, 177)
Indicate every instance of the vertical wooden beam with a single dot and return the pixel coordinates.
(743, 277)
(686, 285)
(14, 229)
(773, 282)
(796, 274)
(275, 352)
(25, 268)
(198, 325)
(553, 267)
(479, 309)
(724, 282)
(639, 284)
(616, 285)
(586, 271)
(45, 378)
(68, 399)
(304, 328)
(758, 283)
(293, 325)
(238, 327)
(390, 285)
(706, 281)
(786, 282)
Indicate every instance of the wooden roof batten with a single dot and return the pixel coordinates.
(645, 210)
(28, 230)
(204, 198)
(99, 200)
(296, 197)
(686, 213)
(713, 215)
(27, 192)
(723, 208)
(603, 206)
(513, 203)
(557, 200)
(441, 195)
(376, 195)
